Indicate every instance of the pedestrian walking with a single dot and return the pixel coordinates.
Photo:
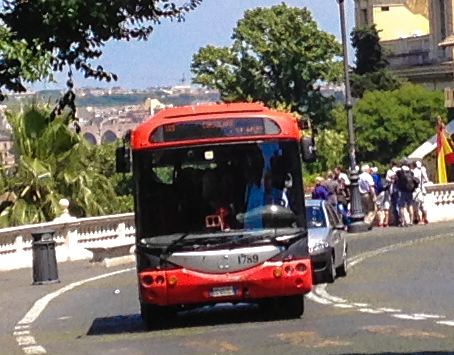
(333, 188)
(367, 191)
(419, 195)
(391, 176)
(319, 192)
(383, 198)
(407, 184)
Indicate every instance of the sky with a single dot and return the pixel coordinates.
(167, 55)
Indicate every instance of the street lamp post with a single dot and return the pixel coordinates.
(357, 216)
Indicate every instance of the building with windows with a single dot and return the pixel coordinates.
(418, 35)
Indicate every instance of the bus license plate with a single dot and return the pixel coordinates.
(222, 291)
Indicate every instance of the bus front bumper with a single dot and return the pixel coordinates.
(183, 286)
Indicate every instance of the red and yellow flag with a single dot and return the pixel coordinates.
(444, 154)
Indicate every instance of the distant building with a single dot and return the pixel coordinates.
(413, 32)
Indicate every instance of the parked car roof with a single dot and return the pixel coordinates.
(311, 202)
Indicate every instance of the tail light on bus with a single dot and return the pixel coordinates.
(301, 267)
(147, 280)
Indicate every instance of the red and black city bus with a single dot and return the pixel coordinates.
(219, 209)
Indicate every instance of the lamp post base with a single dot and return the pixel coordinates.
(357, 227)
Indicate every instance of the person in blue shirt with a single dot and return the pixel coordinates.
(320, 192)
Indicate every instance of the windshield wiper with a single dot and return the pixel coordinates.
(171, 247)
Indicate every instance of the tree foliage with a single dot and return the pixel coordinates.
(51, 34)
(370, 72)
(392, 124)
(278, 55)
(331, 151)
(53, 163)
(20, 63)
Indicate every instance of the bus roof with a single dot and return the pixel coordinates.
(140, 138)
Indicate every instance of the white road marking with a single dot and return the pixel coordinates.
(369, 310)
(19, 327)
(389, 310)
(321, 291)
(407, 316)
(39, 307)
(21, 332)
(64, 318)
(312, 296)
(25, 340)
(428, 316)
(34, 350)
(320, 295)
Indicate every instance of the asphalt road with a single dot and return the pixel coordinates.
(396, 299)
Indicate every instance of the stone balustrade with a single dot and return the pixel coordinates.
(72, 237)
(440, 202)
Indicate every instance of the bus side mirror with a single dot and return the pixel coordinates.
(308, 149)
(123, 159)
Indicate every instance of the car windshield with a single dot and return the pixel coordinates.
(217, 189)
(315, 217)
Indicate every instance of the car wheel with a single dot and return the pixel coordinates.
(156, 317)
(291, 306)
(330, 272)
(341, 271)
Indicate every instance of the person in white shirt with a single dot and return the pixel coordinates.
(420, 210)
(367, 190)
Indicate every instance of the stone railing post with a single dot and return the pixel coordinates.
(71, 240)
(19, 244)
(121, 232)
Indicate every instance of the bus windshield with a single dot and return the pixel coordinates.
(218, 189)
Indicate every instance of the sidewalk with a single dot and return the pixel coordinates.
(17, 294)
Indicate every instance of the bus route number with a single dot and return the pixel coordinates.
(247, 259)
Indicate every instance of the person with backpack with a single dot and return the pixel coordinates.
(383, 198)
(407, 184)
(420, 209)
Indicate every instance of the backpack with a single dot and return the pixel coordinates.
(379, 184)
(407, 181)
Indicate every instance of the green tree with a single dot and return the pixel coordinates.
(41, 35)
(53, 163)
(370, 72)
(278, 56)
(103, 163)
(392, 124)
(331, 151)
(20, 63)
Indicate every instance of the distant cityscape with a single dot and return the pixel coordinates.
(105, 114)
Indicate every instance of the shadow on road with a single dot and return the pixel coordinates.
(206, 316)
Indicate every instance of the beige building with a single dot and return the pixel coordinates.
(415, 33)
